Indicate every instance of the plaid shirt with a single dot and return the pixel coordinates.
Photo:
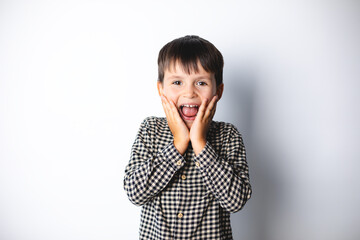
(187, 197)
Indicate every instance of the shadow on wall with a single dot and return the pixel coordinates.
(253, 222)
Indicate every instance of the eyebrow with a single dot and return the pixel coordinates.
(181, 76)
(174, 76)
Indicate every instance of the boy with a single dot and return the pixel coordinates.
(187, 171)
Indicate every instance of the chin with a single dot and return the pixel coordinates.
(189, 124)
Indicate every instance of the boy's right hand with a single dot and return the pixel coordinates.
(177, 126)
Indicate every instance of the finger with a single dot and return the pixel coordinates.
(165, 103)
(202, 109)
(166, 106)
(172, 110)
(210, 110)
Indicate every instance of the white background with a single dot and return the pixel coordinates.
(78, 77)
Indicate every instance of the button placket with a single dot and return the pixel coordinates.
(182, 187)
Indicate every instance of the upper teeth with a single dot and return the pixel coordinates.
(186, 105)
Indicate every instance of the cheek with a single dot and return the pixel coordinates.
(171, 95)
(208, 94)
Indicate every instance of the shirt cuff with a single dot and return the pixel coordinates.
(206, 157)
(173, 157)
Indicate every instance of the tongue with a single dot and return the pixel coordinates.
(189, 111)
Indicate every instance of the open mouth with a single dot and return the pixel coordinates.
(189, 111)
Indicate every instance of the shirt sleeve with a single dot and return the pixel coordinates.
(149, 170)
(228, 177)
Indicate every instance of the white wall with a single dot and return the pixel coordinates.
(78, 77)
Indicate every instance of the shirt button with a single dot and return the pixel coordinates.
(197, 164)
(180, 215)
(183, 177)
(178, 162)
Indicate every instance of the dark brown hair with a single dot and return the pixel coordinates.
(188, 51)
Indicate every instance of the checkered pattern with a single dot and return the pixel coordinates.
(187, 197)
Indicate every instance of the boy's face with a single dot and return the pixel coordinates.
(188, 91)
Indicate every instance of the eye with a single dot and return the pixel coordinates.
(177, 82)
(201, 83)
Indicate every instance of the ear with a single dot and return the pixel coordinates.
(219, 90)
(160, 88)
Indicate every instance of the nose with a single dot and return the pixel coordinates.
(190, 91)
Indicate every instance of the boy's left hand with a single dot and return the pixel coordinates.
(201, 124)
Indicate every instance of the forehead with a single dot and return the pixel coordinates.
(196, 70)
